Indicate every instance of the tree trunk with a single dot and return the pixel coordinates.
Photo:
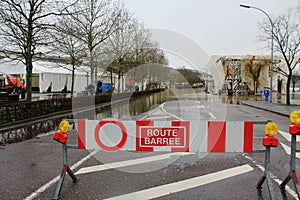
(73, 79)
(28, 79)
(289, 78)
(119, 79)
(92, 65)
(111, 76)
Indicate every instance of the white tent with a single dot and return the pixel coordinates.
(46, 72)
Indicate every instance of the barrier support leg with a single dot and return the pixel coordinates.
(266, 175)
(292, 174)
(65, 169)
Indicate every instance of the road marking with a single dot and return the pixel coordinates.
(287, 149)
(162, 109)
(201, 105)
(115, 165)
(150, 112)
(54, 180)
(211, 115)
(160, 117)
(277, 180)
(179, 186)
(288, 136)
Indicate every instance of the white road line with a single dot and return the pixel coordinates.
(201, 105)
(127, 163)
(287, 149)
(162, 109)
(54, 180)
(212, 116)
(288, 136)
(150, 112)
(179, 186)
(277, 180)
(161, 117)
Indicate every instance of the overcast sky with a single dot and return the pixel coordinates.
(219, 27)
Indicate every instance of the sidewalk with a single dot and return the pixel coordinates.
(277, 108)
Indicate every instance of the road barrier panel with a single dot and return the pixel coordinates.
(294, 130)
(168, 136)
(172, 136)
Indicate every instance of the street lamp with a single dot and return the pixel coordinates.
(272, 36)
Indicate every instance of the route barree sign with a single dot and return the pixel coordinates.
(170, 136)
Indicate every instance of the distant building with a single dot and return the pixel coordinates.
(245, 73)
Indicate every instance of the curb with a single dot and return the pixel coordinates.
(266, 109)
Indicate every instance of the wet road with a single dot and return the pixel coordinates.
(29, 169)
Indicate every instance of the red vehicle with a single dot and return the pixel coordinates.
(12, 84)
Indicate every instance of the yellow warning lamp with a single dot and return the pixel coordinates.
(295, 117)
(271, 129)
(64, 126)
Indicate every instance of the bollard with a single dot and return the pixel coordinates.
(62, 136)
(267, 94)
(294, 130)
(269, 141)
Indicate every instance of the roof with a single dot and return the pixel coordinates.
(8, 66)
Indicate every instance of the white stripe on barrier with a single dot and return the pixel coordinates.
(232, 135)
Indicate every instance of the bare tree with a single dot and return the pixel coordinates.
(120, 45)
(23, 30)
(130, 47)
(93, 23)
(286, 36)
(66, 45)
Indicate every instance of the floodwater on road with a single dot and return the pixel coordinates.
(131, 108)
(238, 99)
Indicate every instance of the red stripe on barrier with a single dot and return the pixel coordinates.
(187, 136)
(81, 134)
(216, 136)
(248, 136)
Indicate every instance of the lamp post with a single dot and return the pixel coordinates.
(272, 38)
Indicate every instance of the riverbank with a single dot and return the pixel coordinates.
(50, 112)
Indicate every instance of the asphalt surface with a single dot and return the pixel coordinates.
(28, 168)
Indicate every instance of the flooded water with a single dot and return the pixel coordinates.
(133, 107)
(238, 99)
(121, 110)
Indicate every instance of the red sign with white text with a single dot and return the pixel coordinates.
(151, 137)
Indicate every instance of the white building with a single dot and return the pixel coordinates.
(56, 74)
(45, 73)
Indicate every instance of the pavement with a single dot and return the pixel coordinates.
(275, 107)
(30, 169)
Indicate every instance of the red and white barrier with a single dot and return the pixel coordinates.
(174, 136)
